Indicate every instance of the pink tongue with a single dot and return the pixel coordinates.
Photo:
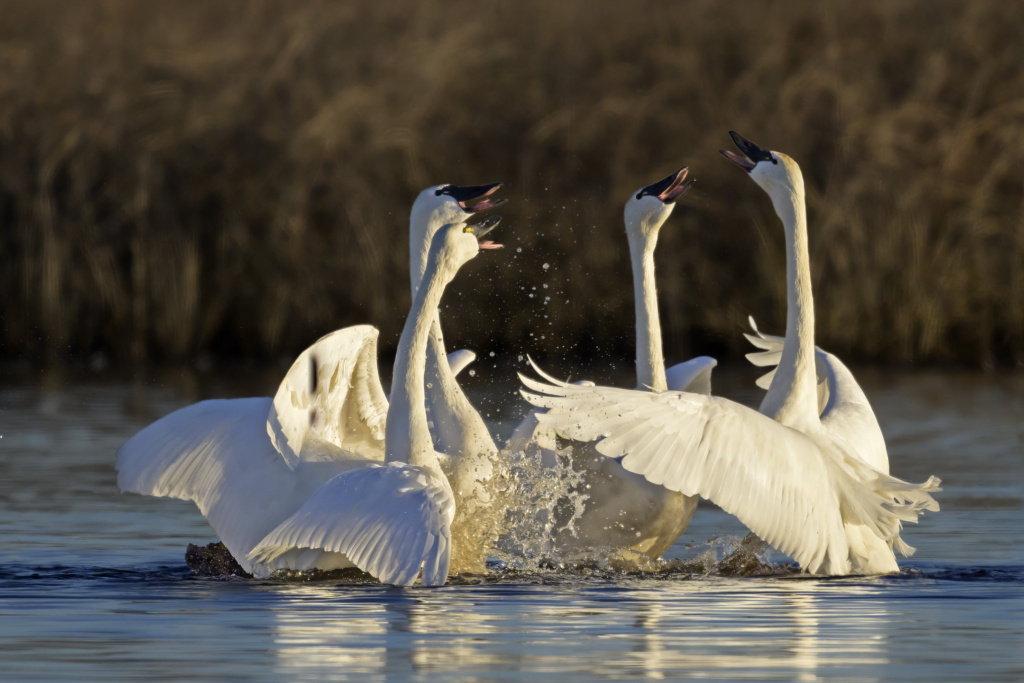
(482, 205)
(487, 244)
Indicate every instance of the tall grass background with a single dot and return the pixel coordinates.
(233, 178)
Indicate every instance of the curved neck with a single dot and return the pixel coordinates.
(419, 248)
(650, 359)
(407, 437)
(460, 429)
(792, 398)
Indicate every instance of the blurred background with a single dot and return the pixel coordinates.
(213, 180)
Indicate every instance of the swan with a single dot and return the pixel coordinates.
(457, 428)
(360, 487)
(797, 485)
(623, 513)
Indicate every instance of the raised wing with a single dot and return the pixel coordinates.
(693, 375)
(770, 355)
(331, 394)
(784, 486)
(846, 414)
(388, 520)
(217, 454)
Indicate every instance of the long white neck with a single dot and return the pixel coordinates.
(407, 437)
(457, 425)
(792, 398)
(650, 359)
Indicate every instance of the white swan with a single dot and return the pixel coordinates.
(311, 500)
(778, 470)
(623, 515)
(457, 428)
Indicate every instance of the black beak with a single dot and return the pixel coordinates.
(473, 198)
(484, 227)
(669, 189)
(752, 153)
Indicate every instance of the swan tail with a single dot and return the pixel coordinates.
(883, 503)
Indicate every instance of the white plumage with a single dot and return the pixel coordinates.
(318, 502)
(804, 483)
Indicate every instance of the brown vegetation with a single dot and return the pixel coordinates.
(235, 177)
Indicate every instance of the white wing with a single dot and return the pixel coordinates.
(846, 414)
(458, 360)
(777, 481)
(693, 375)
(217, 454)
(388, 520)
(332, 394)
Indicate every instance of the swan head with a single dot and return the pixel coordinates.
(441, 205)
(456, 244)
(649, 207)
(776, 173)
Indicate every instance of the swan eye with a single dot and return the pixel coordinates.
(639, 194)
(468, 228)
(775, 161)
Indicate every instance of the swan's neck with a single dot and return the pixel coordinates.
(650, 360)
(792, 398)
(407, 437)
(460, 429)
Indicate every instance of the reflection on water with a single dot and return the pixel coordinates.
(93, 584)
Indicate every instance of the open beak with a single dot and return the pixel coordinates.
(671, 188)
(484, 227)
(475, 198)
(752, 153)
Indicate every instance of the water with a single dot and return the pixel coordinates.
(93, 584)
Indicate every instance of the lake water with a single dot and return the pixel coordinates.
(93, 584)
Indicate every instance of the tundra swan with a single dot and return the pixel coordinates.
(791, 481)
(313, 499)
(623, 514)
(457, 428)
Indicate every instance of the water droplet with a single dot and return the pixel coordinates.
(491, 354)
(520, 358)
(519, 250)
(546, 266)
(472, 373)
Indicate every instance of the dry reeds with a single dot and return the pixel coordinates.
(235, 177)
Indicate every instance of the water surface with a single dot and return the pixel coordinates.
(93, 584)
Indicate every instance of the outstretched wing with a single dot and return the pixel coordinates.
(332, 394)
(388, 520)
(776, 480)
(846, 414)
(693, 375)
(217, 454)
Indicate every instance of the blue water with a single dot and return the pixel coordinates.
(93, 584)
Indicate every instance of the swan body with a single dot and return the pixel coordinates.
(844, 410)
(624, 516)
(797, 485)
(281, 496)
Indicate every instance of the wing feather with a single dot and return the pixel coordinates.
(331, 394)
(217, 454)
(783, 485)
(388, 520)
